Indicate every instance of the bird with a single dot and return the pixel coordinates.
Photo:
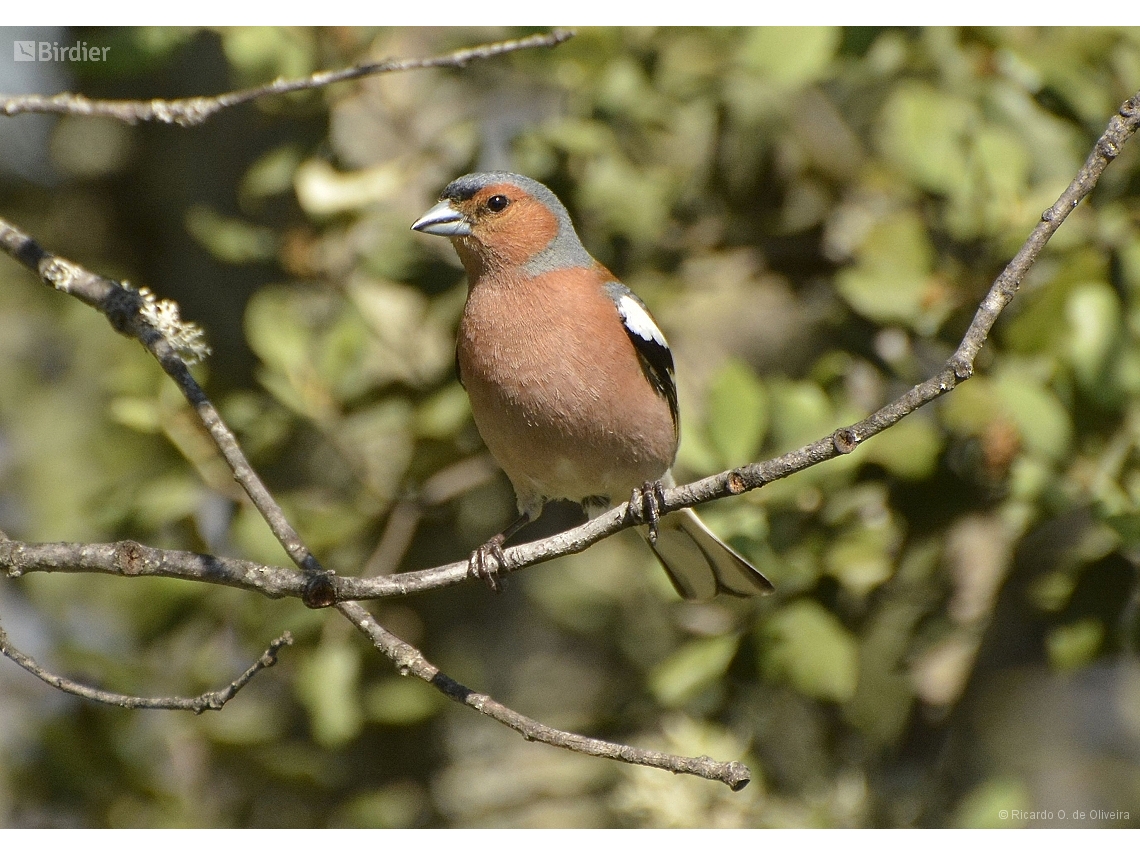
(571, 381)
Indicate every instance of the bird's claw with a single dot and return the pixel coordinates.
(486, 562)
(645, 506)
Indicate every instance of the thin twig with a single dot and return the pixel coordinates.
(132, 559)
(410, 662)
(195, 111)
(121, 305)
(207, 701)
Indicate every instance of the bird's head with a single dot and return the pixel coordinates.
(505, 222)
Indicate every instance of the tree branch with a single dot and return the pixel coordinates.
(410, 662)
(126, 310)
(132, 313)
(128, 558)
(198, 705)
(194, 111)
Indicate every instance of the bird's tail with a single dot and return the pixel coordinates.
(701, 565)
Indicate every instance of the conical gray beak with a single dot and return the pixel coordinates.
(443, 220)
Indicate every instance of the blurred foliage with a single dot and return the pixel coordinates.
(812, 214)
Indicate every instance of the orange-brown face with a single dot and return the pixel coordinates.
(508, 227)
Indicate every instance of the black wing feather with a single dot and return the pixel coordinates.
(649, 342)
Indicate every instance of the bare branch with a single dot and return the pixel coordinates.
(127, 558)
(207, 701)
(128, 312)
(132, 559)
(195, 111)
(410, 662)
(123, 307)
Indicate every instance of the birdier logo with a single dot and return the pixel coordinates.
(30, 50)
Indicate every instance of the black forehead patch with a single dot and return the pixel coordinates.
(463, 188)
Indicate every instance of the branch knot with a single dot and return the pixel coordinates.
(131, 557)
(845, 440)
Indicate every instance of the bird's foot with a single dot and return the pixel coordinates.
(486, 562)
(645, 506)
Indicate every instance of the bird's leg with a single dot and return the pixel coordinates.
(486, 561)
(645, 506)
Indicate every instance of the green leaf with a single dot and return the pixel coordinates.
(988, 805)
(808, 647)
(252, 722)
(401, 701)
(861, 558)
(907, 450)
(692, 668)
(167, 499)
(794, 55)
(1127, 527)
(314, 345)
(1094, 315)
(1075, 645)
(272, 173)
(254, 539)
(1041, 419)
(230, 239)
(632, 201)
(380, 437)
(443, 414)
(409, 340)
(400, 804)
(993, 200)
(801, 412)
(925, 133)
(328, 686)
(141, 414)
(884, 697)
(738, 413)
(971, 407)
(260, 53)
(1051, 591)
(891, 281)
(277, 334)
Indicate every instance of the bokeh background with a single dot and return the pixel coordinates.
(812, 214)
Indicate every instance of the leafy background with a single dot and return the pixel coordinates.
(812, 214)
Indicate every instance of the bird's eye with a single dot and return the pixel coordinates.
(497, 203)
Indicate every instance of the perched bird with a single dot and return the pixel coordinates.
(570, 379)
